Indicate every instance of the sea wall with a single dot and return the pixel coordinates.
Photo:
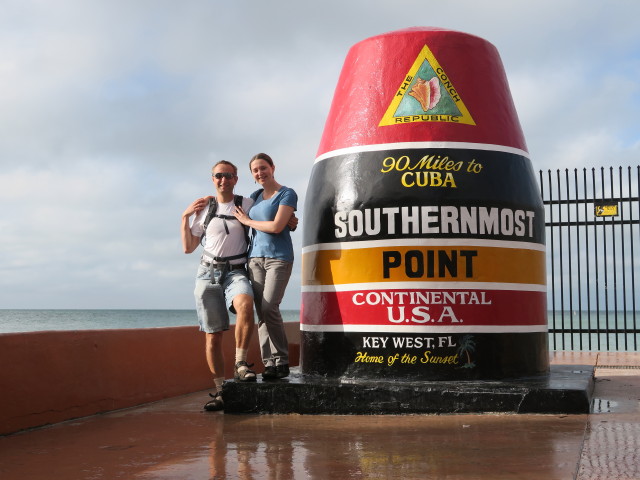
(50, 377)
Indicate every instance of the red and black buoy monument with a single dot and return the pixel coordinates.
(423, 262)
(423, 251)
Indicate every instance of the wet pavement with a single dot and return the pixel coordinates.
(175, 439)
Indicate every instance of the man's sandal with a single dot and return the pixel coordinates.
(243, 374)
(215, 403)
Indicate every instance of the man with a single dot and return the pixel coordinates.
(224, 257)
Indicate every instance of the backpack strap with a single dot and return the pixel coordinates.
(256, 194)
(223, 259)
(237, 199)
(212, 212)
(213, 208)
(251, 232)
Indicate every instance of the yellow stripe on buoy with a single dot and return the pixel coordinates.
(444, 263)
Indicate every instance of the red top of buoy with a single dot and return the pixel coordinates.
(422, 84)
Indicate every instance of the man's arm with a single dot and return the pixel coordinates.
(189, 241)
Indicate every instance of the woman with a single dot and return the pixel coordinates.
(270, 260)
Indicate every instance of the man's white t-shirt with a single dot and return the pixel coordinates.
(219, 243)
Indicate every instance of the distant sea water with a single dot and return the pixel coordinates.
(42, 320)
(12, 321)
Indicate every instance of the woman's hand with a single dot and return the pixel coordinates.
(242, 216)
(283, 215)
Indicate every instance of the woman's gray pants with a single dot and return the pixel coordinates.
(269, 278)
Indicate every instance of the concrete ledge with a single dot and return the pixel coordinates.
(53, 376)
(567, 389)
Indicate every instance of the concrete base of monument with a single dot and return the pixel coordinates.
(567, 389)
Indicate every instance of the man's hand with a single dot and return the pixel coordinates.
(293, 223)
(196, 207)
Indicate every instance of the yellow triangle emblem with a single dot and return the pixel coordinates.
(426, 94)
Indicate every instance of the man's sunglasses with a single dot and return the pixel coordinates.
(220, 175)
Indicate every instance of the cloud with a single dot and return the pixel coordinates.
(112, 113)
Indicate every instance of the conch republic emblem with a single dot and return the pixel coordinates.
(423, 252)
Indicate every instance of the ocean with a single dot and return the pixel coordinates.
(42, 320)
(12, 321)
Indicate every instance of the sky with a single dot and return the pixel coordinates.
(113, 112)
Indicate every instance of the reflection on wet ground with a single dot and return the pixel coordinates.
(174, 439)
(612, 441)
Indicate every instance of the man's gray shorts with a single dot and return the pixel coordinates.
(234, 283)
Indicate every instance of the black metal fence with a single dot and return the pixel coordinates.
(593, 272)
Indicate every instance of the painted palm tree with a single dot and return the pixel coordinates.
(467, 345)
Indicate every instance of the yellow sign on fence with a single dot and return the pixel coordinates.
(606, 210)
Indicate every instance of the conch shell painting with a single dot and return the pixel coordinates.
(427, 93)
